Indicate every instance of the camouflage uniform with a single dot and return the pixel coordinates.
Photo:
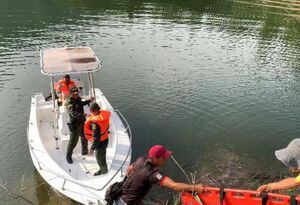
(99, 147)
(76, 124)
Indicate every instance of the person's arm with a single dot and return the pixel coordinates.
(59, 86)
(281, 185)
(180, 187)
(69, 107)
(96, 135)
(86, 102)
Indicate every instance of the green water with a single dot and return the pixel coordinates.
(216, 81)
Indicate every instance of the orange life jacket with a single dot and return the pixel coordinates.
(102, 120)
(63, 87)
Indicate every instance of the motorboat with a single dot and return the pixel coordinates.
(48, 134)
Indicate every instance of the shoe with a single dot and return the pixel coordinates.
(85, 152)
(69, 160)
(97, 173)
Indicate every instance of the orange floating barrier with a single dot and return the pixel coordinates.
(217, 196)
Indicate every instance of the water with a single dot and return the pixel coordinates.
(217, 82)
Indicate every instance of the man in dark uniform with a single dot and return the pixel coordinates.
(75, 105)
(97, 145)
(144, 173)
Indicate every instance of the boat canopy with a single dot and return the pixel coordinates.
(69, 60)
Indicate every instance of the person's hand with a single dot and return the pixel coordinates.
(199, 188)
(129, 169)
(91, 152)
(59, 87)
(263, 188)
(92, 99)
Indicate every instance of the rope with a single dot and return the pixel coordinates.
(193, 176)
(16, 196)
(181, 169)
(45, 182)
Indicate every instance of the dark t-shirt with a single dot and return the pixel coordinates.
(140, 181)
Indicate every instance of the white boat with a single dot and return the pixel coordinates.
(48, 133)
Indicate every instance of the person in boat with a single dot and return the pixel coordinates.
(144, 173)
(64, 86)
(96, 130)
(290, 156)
(76, 113)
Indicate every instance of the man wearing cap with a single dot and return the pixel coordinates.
(289, 156)
(144, 173)
(74, 106)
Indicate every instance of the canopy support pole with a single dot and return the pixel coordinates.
(91, 84)
(53, 92)
(55, 112)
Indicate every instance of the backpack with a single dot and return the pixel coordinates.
(113, 192)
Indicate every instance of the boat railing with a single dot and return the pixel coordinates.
(128, 131)
(43, 166)
(127, 127)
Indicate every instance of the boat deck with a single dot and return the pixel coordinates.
(83, 166)
(75, 180)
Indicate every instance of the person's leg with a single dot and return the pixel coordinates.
(84, 141)
(100, 154)
(74, 136)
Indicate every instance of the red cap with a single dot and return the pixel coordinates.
(159, 151)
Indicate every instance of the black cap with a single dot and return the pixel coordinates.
(94, 107)
(67, 76)
(74, 90)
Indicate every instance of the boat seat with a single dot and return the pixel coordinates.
(63, 123)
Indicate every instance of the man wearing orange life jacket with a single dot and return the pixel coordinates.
(64, 86)
(96, 130)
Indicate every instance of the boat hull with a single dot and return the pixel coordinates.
(76, 181)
